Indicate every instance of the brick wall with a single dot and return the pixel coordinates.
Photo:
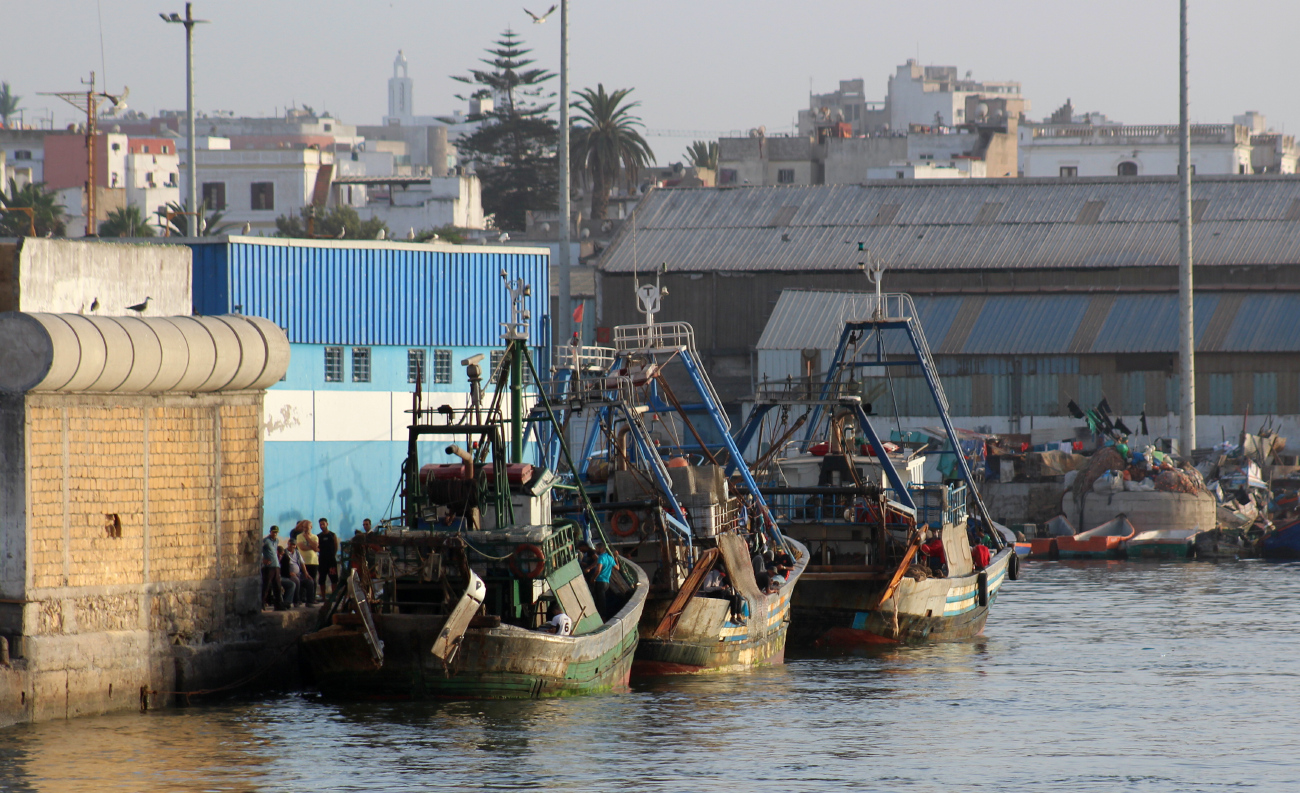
(140, 491)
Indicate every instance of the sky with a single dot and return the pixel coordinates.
(703, 68)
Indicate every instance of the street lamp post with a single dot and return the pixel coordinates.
(191, 171)
(566, 293)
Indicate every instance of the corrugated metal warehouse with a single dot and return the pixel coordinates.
(362, 319)
(1035, 289)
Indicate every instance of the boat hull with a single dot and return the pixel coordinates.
(1282, 544)
(1159, 550)
(839, 615)
(706, 640)
(505, 662)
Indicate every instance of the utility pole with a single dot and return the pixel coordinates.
(88, 102)
(565, 323)
(191, 169)
(1186, 323)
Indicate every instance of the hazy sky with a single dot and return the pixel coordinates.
(707, 65)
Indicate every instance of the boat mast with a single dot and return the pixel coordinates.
(1186, 335)
(516, 337)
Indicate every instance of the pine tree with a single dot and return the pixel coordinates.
(513, 152)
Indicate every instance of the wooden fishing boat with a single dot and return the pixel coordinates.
(1107, 541)
(1284, 543)
(865, 517)
(671, 508)
(1161, 544)
(450, 598)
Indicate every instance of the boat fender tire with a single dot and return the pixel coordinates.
(982, 587)
(1013, 566)
(528, 561)
(624, 523)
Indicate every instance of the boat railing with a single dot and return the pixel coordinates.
(585, 358)
(867, 308)
(558, 547)
(792, 391)
(660, 336)
(710, 518)
(938, 504)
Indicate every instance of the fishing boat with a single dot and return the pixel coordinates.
(1107, 541)
(862, 508)
(660, 485)
(1161, 544)
(1284, 543)
(450, 598)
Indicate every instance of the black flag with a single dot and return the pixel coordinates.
(1143, 422)
(1075, 410)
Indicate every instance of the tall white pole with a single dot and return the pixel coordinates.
(191, 170)
(565, 323)
(1186, 336)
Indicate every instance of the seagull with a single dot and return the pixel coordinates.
(537, 20)
(140, 307)
(94, 306)
(381, 234)
(435, 238)
(410, 235)
(342, 233)
(505, 237)
(248, 228)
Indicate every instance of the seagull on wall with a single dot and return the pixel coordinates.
(381, 234)
(248, 228)
(342, 233)
(537, 20)
(410, 235)
(140, 307)
(94, 306)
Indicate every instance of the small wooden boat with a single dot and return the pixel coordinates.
(1161, 544)
(1107, 541)
(1222, 544)
(1283, 543)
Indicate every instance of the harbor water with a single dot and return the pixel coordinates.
(1090, 676)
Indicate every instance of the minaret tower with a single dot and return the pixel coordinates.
(399, 92)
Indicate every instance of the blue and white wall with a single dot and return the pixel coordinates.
(334, 441)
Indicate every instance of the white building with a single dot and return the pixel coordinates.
(256, 186)
(152, 177)
(23, 151)
(1133, 150)
(924, 169)
(935, 96)
(414, 203)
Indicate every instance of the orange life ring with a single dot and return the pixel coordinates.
(624, 517)
(521, 552)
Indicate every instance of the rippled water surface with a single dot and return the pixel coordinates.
(1090, 676)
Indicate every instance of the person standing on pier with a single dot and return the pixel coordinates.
(329, 558)
(271, 591)
(309, 548)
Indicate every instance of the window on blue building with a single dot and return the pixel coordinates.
(442, 366)
(361, 364)
(494, 364)
(415, 369)
(333, 364)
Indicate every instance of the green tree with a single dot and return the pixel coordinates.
(178, 224)
(442, 234)
(47, 212)
(340, 222)
(8, 103)
(609, 144)
(513, 151)
(701, 154)
(128, 221)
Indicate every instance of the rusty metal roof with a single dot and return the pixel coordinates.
(944, 224)
(1053, 324)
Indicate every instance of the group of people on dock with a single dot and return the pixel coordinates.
(298, 570)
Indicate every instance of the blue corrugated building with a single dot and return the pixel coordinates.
(362, 319)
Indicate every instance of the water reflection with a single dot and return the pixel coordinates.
(1091, 676)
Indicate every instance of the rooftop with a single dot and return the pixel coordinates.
(964, 224)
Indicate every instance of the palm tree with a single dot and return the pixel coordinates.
(128, 221)
(609, 143)
(178, 225)
(47, 213)
(8, 103)
(703, 155)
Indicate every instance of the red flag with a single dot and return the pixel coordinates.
(577, 312)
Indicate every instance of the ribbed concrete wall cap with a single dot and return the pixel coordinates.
(26, 354)
(72, 352)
